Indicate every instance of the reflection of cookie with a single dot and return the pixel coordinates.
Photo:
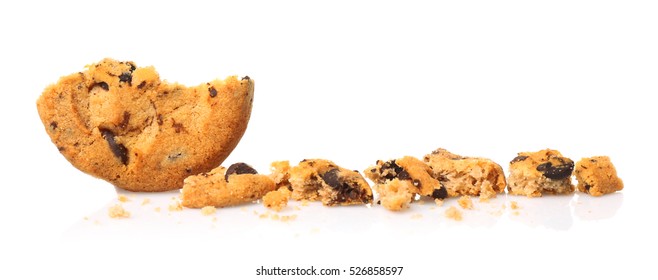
(123, 124)
(597, 176)
(223, 187)
(466, 175)
(535, 173)
(318, 179)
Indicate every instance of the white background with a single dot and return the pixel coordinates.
(353, 82)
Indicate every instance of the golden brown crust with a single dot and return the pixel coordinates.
(597, 176)
(123, 124)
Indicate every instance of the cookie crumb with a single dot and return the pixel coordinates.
(514, 205)
(275, 217)
(156, 209)
(176, 206)
(454, 213)
(146, 201)
(208, 210)
(287, 218)
(465, 202)
(123, 198)
(277, 200)
(304, 202)
(439, 202)
(117, 212)
(264, 215)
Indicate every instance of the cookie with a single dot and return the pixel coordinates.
(544, 172)
(123, 124)
(414, 175)
(323, 180)
(222, 187)
(470, 176)
(597, 176)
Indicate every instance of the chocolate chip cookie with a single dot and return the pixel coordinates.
(543, 172)
(323, 180)
(597, 176)
(466, 175)
(222, 187)
(121, 123)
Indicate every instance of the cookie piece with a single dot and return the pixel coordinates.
(396, 194)
(222, 187)
(470, 176)
(323, 180)
(409, 169)
(544, 172)
(123, 124)
(597, 176)
(277, 200)
(280, 173)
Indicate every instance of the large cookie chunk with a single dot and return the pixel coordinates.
(544, 172)
(466, 175)
(323, 180)
(123, 124)
(597, 176)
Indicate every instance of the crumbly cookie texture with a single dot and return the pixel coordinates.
(414, 172)
(323, 180)
(280, 173)
(544, 172)
(597, 176)
(222, 187)
(470, 176)
(278, 199)
(465, 202)
(396, 194)
(123, 124)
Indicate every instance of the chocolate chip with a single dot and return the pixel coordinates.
(126, 77)
(392, 170)
(178, 127)
(213, 91)
(587, 186)
(556, 172)
(126, 119)
(404, 175)
(103, 85)
(331, 178)
(245, 78)
(239, 168)
(141, 85)
(132, 66)
(160, 121)
(53, 125)
(119, 150)
(440, 193)
(518, 158)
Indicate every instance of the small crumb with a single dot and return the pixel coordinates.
(439, 202)
(484, 199)
(297, 208)
(304, 202)
(516, 213)
(146, 201)
(465, 202)
(416, 216)
(123, 198)
(287, 218)
(264, 215)
(514, 205)
(208, 210)
(117, 212)
(275, 217)
(176, 206)
(454, 213)
(156, 209)
(174, 198)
